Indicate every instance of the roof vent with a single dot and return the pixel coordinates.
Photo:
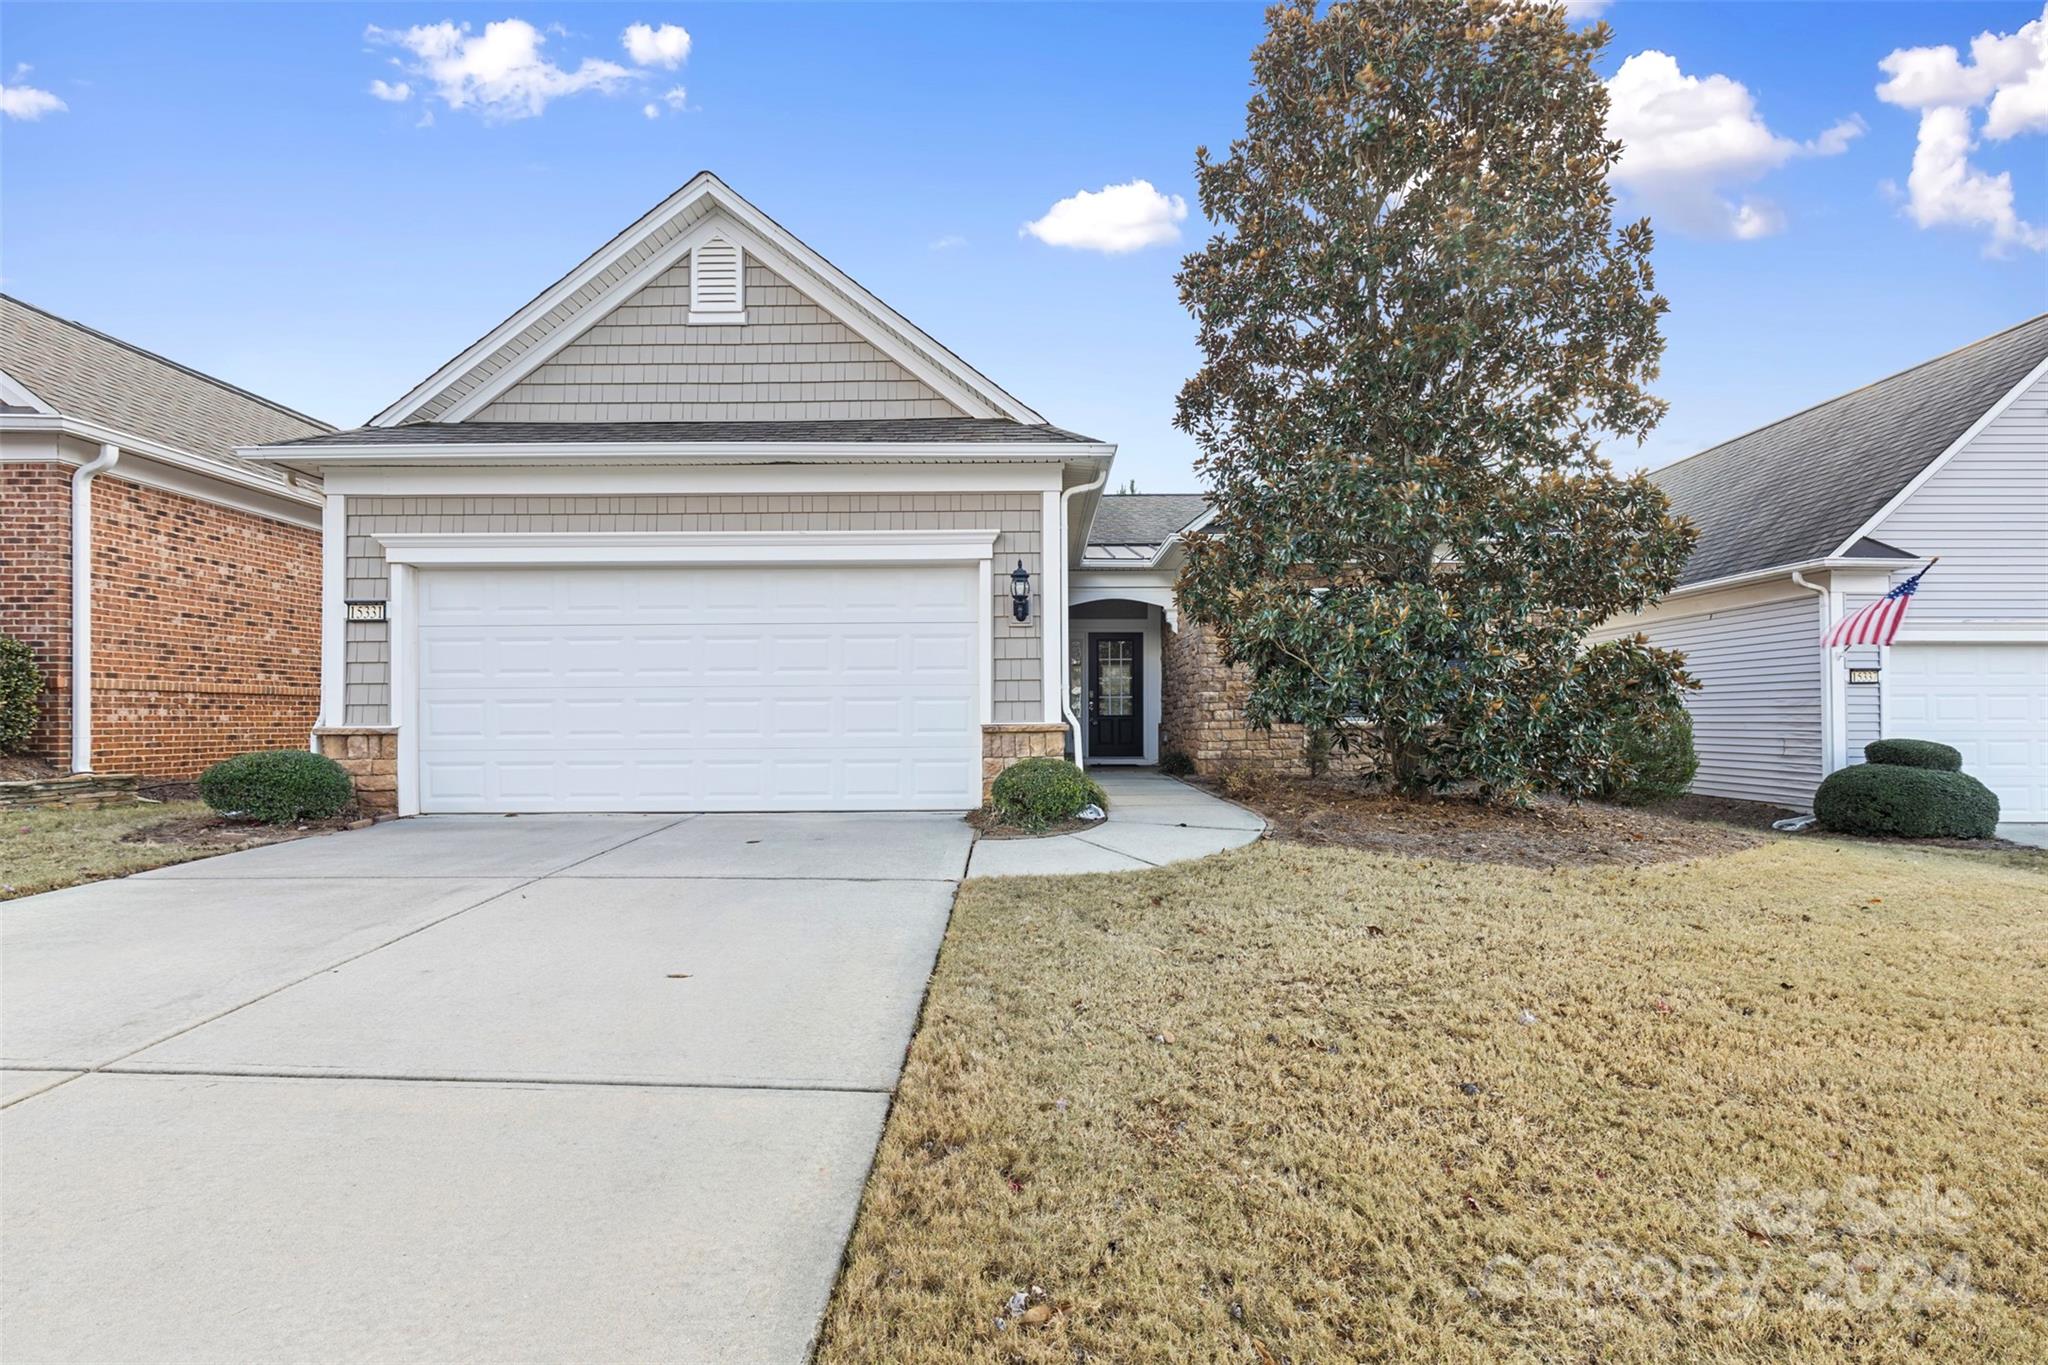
(718, 273)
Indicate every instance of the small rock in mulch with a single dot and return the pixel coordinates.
(1545, 833)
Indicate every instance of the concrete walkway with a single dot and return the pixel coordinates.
(1153, 819)
(460, 1088)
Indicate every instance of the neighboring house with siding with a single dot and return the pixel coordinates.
(167, 587)
(1811, 517)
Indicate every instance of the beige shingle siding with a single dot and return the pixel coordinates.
(644, 363)
(93, 378)
(495, 362)
(1986, 514)
(1018, 668)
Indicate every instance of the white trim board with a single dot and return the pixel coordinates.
(594, 548)
(16, 394)
(455, 455)
(635, 480)
(757, 234)
(205, 466)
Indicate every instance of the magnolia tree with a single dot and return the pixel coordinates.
(1419, 323)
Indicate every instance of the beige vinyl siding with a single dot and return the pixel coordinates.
(1986, 514)
(1757, 715)
(644, 363)
(1018, 672)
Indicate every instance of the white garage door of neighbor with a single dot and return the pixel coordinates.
(686, 689)
(1989, 701)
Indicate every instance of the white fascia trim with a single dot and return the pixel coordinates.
(671, 452)
(203, 465)
(672, 479)
(1786, 571)
(1161, 597)
(615, 548)
(16, 394)
(1940, 461)
(759, 234)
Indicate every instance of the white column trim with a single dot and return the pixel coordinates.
(985, 570)
(334, 610)
(404, 629)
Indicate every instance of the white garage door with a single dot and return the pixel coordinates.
(1991, 702)
(685, 689)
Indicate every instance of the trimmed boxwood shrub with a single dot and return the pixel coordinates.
(21, 682)
(277, 786)
(1915, 803)
(1651, 756)
(1043, 791)
(1914, 753)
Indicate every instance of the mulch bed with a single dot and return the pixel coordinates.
(14, 768)
(219, 834)
(990, 826)
(1545, 833)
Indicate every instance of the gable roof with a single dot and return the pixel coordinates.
(1805, 487)
(650, 245)
(1133, 528)
(85, 374)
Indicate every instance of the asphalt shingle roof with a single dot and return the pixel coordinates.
(88, 375)
(888, 430)
(1144, 518)
(1793, 491)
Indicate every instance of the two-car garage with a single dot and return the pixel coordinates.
(698, 687)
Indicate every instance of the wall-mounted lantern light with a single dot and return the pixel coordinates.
(1020, 592)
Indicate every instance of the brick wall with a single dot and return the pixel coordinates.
(1201, 712)
(35, 589)
(206, 631)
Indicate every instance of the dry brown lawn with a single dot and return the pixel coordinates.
(1302, 1104)
(41, 850)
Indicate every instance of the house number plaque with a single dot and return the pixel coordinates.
(366, 611)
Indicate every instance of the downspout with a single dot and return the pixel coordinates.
(81, 605)
(1828, 703)
(1066, 656)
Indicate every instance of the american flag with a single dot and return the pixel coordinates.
(1878, 623)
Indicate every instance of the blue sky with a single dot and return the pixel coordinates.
(220, 184)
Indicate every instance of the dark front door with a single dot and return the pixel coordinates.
(1115, 686)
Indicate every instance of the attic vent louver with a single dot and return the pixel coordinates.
(717, 283)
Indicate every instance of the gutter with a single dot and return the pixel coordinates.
(1781, 570)
(81, 604)
(1833, 723)
(1065, 658)
(284, 485)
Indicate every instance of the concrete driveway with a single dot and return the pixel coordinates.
(460, 1088)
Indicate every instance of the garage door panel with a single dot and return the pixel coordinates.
(1988, 701)
(694, 689)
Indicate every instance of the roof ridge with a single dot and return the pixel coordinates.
(1851, 393)
(179, 366)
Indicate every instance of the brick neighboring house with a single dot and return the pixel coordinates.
(194, 614)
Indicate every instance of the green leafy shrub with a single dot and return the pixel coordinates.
(277, 786)
(1174, 763)
(21, 682)
(1651, 756)
(1915, 803)
(1043, 791)
(1914, 753)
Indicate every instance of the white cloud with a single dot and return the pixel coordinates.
(676, 98)
(950, 242)
(650, 110)
(1580, 10)
(26, 101)
(499, 73)
(2007, 74)
(1690, 141)
(1115, 218)
(396, 94)
(665, 47)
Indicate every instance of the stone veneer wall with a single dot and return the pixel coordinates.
(1002, 745)
(1201, 713)
(369, 755)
